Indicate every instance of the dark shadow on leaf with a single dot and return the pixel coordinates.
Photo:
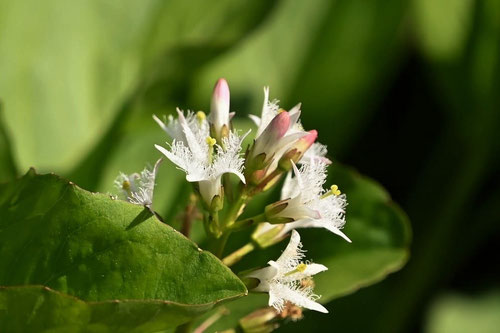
(143, 216)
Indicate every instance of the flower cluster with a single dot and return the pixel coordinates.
(209, 150)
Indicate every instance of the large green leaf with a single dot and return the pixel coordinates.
(107, 263)
(443, 39)
(8, 170)
(68, 67)
(380, 234)
(460, 314)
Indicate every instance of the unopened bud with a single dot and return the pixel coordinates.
(291, 311)
(276, 208)
(219, 111)
(295, 153)
(268, 142)
(217, 203)
(289, 210)
(211, 191)
(266, 234)
(262, 320)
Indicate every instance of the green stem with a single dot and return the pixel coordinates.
(219, 232)
(218, 244)
(235, 211)
(222, 311)
(237, 255)
(241, 224)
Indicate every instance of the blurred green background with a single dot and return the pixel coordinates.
(407, 92)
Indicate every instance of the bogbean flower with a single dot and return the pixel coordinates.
(288, 278)
(137, 188)
(195, 152)
(297, 143)
(277, 131)
(304, 204)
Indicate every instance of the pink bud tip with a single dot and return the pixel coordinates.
(280, 124)
(221, 90)
(310, 138)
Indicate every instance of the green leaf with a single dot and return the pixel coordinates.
(107, 263)
(460, 314)
(68, 67)
(8, 169)
(443, 39)
(380, 234)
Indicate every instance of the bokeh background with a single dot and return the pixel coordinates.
(406, 92)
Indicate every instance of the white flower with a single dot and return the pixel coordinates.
(317, 152)
(307, 204)
(277, 130)
(172, 126)
(283, 278)
(137, 188)
(271, 109)
(195, 152)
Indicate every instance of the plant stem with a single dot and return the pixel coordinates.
(189, 215)
(222, 311)
(218, 244)
(241, 224)
(237, 255)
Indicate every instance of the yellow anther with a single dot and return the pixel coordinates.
(281, 110)
(335, 190)
(299, 269)
(126, 185)
(211, 141)
(201, 116)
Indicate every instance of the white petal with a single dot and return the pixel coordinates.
(264, 275)
(173, 158)
(162, 125)
(315, 223)
(290, 188)
(209, 189)
(255, 119)
(297, 298)
(292, 251)
(297, 210)
(313, 269)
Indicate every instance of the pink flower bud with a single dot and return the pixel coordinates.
(269, 140)
(305, 142)
(219, 111)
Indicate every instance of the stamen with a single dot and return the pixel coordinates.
(211, 143)
(126, 186)
(299, 269)
(200, 116)
(334, 190)
(281, 110)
